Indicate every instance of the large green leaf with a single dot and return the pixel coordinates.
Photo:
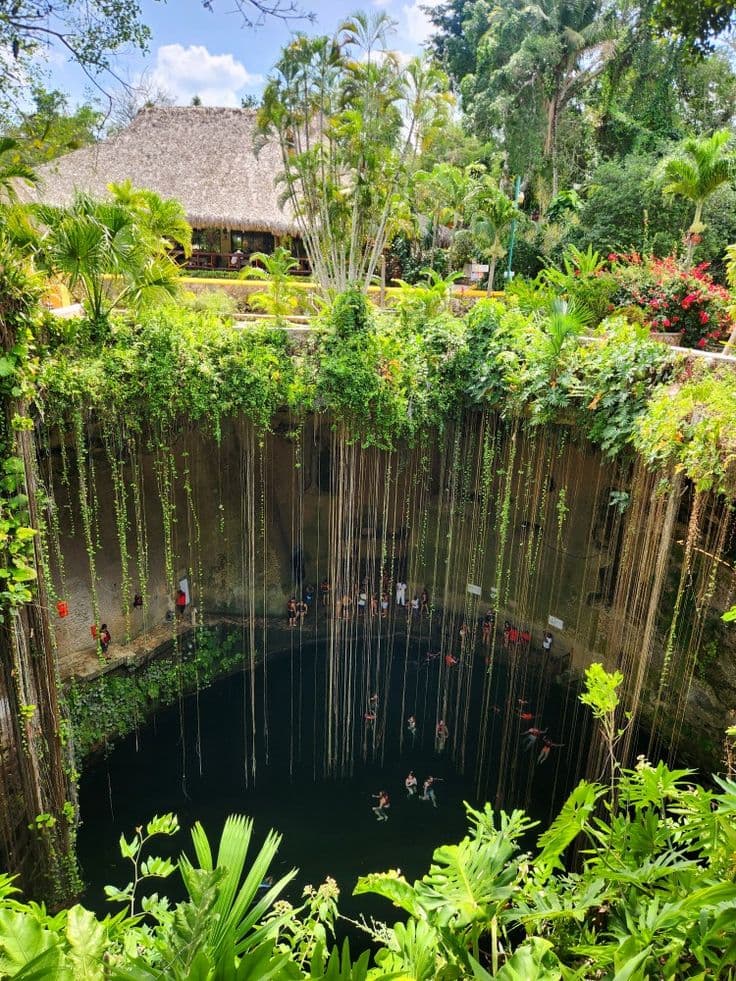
(22, 939)
(533, 961)
(86, 937)
(391, 885)
(568, 824)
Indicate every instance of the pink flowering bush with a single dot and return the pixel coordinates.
(673, 299)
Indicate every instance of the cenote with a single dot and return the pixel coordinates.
(193, 758)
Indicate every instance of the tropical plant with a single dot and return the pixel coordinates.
(280, 298)
(13, 169)
(491, 213)
(440, 194)
(423, 302)
(114, 253)
(673, 299)
(584, 279)
(349, 120)
(700, 167)
(560, 321)
(519, 68)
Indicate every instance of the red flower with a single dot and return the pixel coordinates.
(666, 321)
(703, 317)
(702, 342)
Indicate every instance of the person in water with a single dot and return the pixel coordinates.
(411, 784)
(414, 607)
(411, 725)
(429, 791)
(424, 601)
(301, 610)
(383, 804)
(532, 735)
(442, 735)
(547, 746)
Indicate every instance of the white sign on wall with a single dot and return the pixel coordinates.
(474, 590)
(554, 622)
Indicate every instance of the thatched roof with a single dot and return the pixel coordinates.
(202, 156)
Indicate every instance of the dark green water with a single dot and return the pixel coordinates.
(190, 759)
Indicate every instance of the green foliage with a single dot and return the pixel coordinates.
(168, 365)
(114, 253)
(19, 292)
(115, 704)
(651, 895)
(280, 297)
(425, 301)
(49, 128)
(215, 302)
(583, 278)
(700, 167)
(382, 378)
(153, 867)
(385, 378)
(349, 119)
(690, 428)
(673, 298)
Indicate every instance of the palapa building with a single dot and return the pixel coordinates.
(203, 157)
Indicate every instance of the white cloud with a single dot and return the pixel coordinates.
(215, 78)
(415, 24)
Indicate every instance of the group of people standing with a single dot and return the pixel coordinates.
(364, 600)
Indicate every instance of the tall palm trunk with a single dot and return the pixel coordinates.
(695, 227)
(491, 275)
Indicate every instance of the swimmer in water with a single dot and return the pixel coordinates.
(532, 735)
(547, 746)
(383, 804)
(411, 784)
(429, 791)
(442, 735)
(411, 725)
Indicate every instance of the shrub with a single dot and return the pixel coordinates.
(674, 299)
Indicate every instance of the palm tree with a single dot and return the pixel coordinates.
(113, 253)
(280, 298)
(491, 214)
(699, 169)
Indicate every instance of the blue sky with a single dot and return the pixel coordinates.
(197, 52)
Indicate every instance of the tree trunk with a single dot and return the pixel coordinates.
(38, 798)
(550, 141)
(491, 275)
(693, 230)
